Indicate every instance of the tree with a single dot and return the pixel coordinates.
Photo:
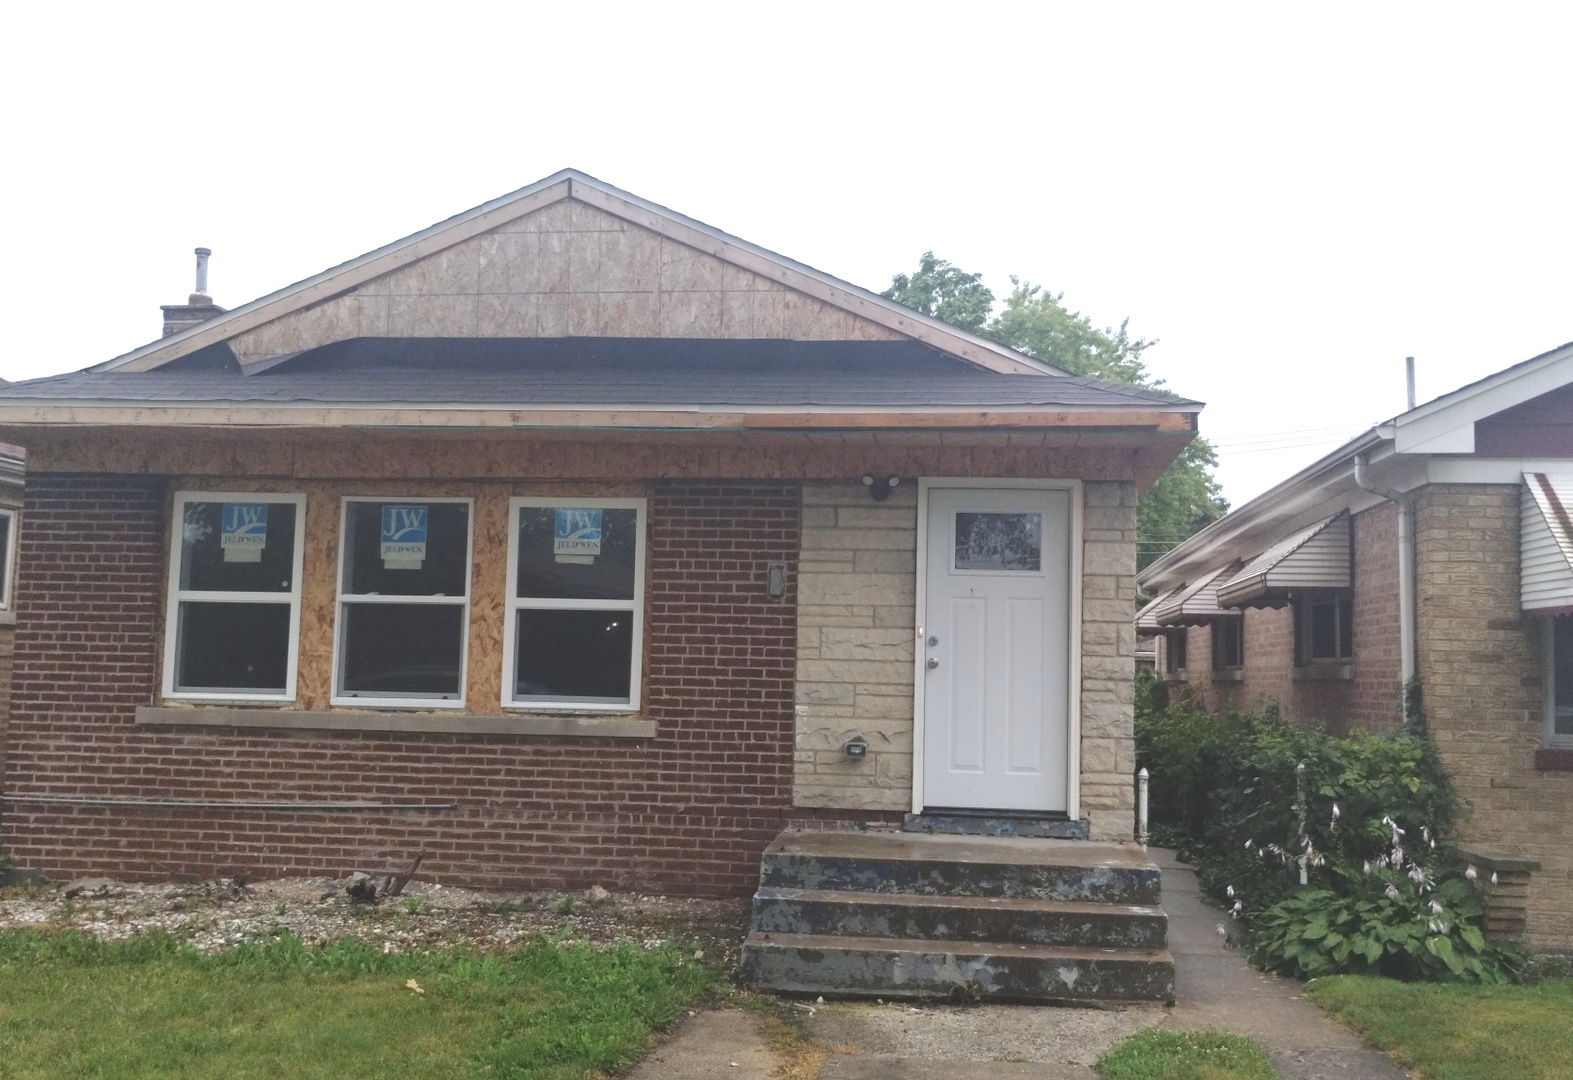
(945, 292)
(1032, 321)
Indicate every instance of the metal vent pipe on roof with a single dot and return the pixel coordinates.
(1409, 376)
(202, 273)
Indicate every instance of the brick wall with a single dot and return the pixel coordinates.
(1480, 665)
(687, 811)
(1376, 701)
(856, 593)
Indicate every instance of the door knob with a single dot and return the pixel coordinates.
(933, 662)
(933, 639)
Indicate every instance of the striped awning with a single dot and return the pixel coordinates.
(1546, 544)
(1315, 558)
(1197, 603)
(1147, 617)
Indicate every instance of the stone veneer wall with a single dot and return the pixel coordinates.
(856, 597)
(856, 611)
(1479, 662)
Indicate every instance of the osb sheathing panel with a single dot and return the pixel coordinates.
(566, 270)
(488, 569)
(302, 456)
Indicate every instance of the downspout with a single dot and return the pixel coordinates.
(1406, 566)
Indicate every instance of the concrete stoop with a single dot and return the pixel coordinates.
(967, 917)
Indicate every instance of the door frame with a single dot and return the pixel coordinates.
(1073, 682)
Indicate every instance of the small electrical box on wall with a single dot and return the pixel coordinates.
(857, 749)
(775, 580)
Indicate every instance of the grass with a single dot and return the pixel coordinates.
(1166, 1054)
(154, 1007)
(1454, 1032)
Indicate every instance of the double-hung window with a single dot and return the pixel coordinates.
(404, 597)
(234, 596)
(7, 556)
(575, 612)
(1559, 682)
(1228, 639)
(1324, 630)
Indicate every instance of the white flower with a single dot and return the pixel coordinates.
(1436, 908)
(1223, 931)
(1229, 892)
(1416, 874)
(1431, 925)
(1493, 877)
(1471, 873)
(1366, 869)
(1247, 845)
(1238, 907)
(1392, 892)
(1397, 857)
(1425, 832)
(1335, 811)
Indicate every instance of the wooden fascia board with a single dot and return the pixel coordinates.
(823, 287)
(422, 416)
(340, 279)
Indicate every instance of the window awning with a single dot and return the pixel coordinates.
(1197, 603)
(1316, 558)
(1147, 617)
(1546, 544)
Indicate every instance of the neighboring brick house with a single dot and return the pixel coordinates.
(570, 540)
(1437, 546)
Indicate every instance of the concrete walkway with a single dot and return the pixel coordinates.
(1218, 989)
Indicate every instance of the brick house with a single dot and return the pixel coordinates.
(570, 540)
(1436, 546)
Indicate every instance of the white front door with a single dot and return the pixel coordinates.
(996, 649)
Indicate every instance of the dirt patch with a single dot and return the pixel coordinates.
(219, 915)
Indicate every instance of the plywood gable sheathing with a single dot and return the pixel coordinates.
(565, 270)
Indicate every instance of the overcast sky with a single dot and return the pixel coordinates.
(1290, 201)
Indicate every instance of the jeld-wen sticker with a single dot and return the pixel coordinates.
(576, 534)
(403, 537)
(243, 532)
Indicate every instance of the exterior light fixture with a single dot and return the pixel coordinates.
(880, 487)
(775, 580)
(857, 748)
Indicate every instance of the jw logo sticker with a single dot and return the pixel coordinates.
(403, 537)
(576, 535)
(243, 531)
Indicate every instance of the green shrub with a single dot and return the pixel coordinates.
(1370, 815)
(1383, 923)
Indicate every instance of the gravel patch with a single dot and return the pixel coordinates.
(221, 914)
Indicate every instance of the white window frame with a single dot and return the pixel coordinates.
(342, 600)
(176, 595)
(9, 577)
(1303, 635)
(1549, 737)
(514, 604)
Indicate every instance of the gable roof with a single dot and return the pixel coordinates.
(1546, 544)
(1398, 451)
(570, 185)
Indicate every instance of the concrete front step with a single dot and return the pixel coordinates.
(1044, 828)
(1011, 920)
(987, 971)
(1070, 870)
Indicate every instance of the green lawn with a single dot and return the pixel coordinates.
(1166, 1054)
(71, 1006)
(1455, 1032)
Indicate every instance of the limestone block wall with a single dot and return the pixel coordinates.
(1108, 646)
(856, 596)
(1479, 662)
(857, 589)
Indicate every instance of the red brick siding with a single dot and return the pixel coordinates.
(687, 811)
(1376, 703)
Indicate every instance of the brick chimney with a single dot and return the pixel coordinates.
(199, 306)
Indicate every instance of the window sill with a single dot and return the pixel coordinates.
(1229, 675)
(345, 720)
(1331, 671)
(1554, 759)
(1174, 676)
